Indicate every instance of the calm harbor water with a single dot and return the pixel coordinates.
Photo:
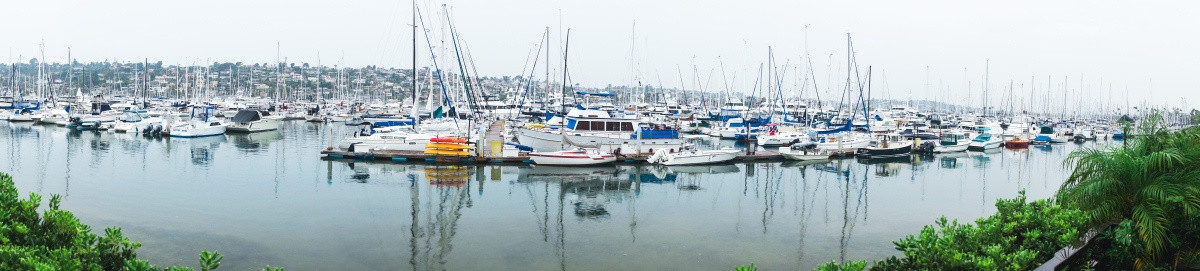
(268, 198)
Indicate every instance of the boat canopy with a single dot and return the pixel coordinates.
(246, 116)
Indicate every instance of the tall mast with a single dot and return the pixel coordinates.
(566, 47)
(414, 54)
(41, 67)
(70, 70)
(548, 64)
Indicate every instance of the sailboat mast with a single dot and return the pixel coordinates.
(547, 35)
(566, 47)
(414, 54)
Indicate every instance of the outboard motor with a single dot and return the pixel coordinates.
(75, 121)
(926, 147)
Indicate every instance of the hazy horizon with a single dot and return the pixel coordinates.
(1136, 49)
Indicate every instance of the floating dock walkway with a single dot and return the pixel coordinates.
(489, 154)
(421, 157)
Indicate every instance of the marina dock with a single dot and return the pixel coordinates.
(420, 157)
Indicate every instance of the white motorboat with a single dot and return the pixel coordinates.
(199, 125)
(391, 141)
(577, 157)
(135, 121)
(804, 152)
(985, 141)
(952, 142)
(693, 157)
(889, 145)
(842, 142)
(22, 115)
(198, 129)
(736, 128)
(1047, 135)
(775, 138)
(56, 116)
(254, 120)
(592, 128)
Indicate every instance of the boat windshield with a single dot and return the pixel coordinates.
(131, 117)
(983, 138)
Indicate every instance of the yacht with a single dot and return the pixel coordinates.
(577, 157)
(804, 152)
(199, 124)
(985, 141)
(841, 142)
(254, 120)
(693, 157)
(56, 116)
(889, 145)
(135, 121)
(953, 141)
(776, 136)
(594, 128)
(1046, 135)
(22, 115)
(738, 129)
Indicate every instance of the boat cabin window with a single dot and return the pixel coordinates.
(604, 126)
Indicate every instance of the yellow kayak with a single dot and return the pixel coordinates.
(448, 146)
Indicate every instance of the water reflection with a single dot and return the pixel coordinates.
(398, 216)
(255, 142)
(202, 149)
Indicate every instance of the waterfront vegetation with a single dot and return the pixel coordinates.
(1140, 198)
(57, 240)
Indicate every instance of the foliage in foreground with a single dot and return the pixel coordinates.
(1149, 188)
(1020, 236)
(846, 266)
(750, 267)
(56, 240)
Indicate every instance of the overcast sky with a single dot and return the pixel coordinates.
(1124, 44)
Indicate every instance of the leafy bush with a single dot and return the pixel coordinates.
(750, 267)
(56, 240)
(1021, 235)
(846, 266)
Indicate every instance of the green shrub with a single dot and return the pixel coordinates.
(846, 266)
(56, 240)
(1020, 236)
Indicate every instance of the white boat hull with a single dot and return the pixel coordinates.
(991, 144)
(197, 130)
(561, 159)
(695, 158)
(262, 125)
(950, 148)
(397, 143)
